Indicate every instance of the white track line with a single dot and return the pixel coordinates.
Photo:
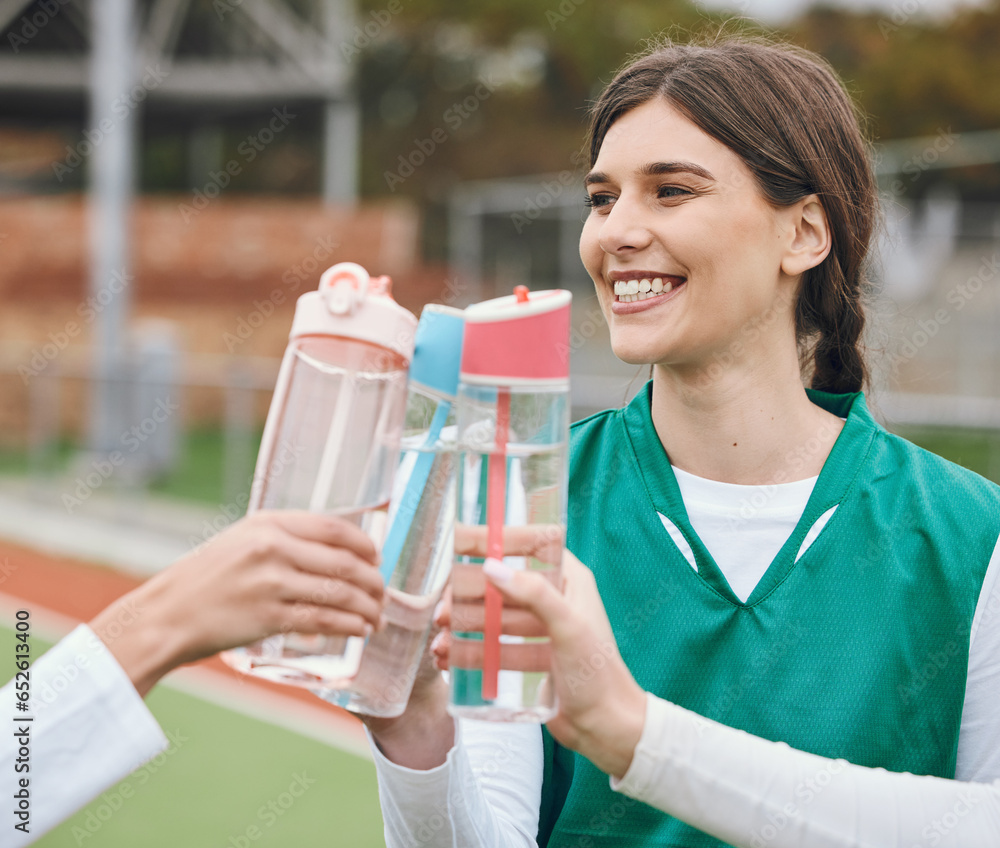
(318, 723)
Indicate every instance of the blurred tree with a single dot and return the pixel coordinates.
(911, 75)
(916, 76)
(452, 90)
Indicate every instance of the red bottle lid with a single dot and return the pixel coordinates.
(520, 339)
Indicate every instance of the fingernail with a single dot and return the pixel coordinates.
(383, 622)
(497, 571)
(438, 610)
(368, 630)
(437, 643)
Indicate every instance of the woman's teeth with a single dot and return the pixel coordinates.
(629, 290)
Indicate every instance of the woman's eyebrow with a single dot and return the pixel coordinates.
(655, 169)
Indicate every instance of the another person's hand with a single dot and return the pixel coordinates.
(423, 735)
(269, 573)
(601, 707)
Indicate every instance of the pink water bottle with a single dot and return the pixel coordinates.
(513, 434)
(331, 442)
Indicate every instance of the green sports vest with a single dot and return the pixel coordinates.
(859, 649)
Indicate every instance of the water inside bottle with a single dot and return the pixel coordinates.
(341, 419)
(535, 516)
(392, 655)
(343, 412)
(304, 659)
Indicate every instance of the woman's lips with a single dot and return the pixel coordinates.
(638, 295)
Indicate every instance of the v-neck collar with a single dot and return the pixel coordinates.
(836, 477)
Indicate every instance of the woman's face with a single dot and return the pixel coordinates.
(678, 216)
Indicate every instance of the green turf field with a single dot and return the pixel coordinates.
(225, 783)
(198, 475)
(978, 450)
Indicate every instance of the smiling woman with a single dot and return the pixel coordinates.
(709, 107)
(767, 564)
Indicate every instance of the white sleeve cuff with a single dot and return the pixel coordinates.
(89, 729)
(415, 787)
(486, 794)
(647, 757)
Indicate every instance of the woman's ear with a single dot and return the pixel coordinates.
(811, 239)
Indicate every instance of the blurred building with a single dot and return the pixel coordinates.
(201, 167)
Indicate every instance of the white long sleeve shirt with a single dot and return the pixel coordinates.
(742, 789)
(88, 729)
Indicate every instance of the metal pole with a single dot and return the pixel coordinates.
(238, 445)
(112, 139)
(341, 115)
(340, 152)
(570, 271)
(465, 243)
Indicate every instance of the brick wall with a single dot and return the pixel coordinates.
(203, 272)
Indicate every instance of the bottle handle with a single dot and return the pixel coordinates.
(344, 286)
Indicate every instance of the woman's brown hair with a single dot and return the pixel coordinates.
(783, 111)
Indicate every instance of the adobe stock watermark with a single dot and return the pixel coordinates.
(27, 28)
(103, 469)
(47, 691)
(587, 668)
(750, 333)
(922, 161)
(795, 464)
(958, 297)
(901, 15)
(101, 811)
(758, 670)
(292, 279)
(58, 340)
(268, 814)
(248, 149)
(602, 822)
(424, 148)
(937, 660)
(363, 35)
(562, 13)
(284, 457)
(939, 828)
(152, 78)
(582, 332)
(805, 793)
(6, 570)
(638, 618)
(368, 31)
(934, 663)
(549, 191)
(427, 828)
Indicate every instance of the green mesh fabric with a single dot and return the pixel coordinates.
(857, 650)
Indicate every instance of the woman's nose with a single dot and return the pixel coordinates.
(625, 227)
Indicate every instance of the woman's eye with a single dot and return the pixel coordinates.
(672, 191)
(595, 201)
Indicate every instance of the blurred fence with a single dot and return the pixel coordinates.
(239, 388)
(234, 393)
(934, 334)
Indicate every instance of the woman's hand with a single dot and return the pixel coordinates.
(423, 735)
(601, 707)
(270, 573)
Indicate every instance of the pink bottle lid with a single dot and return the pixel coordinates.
(520, 339)
(351, 304)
